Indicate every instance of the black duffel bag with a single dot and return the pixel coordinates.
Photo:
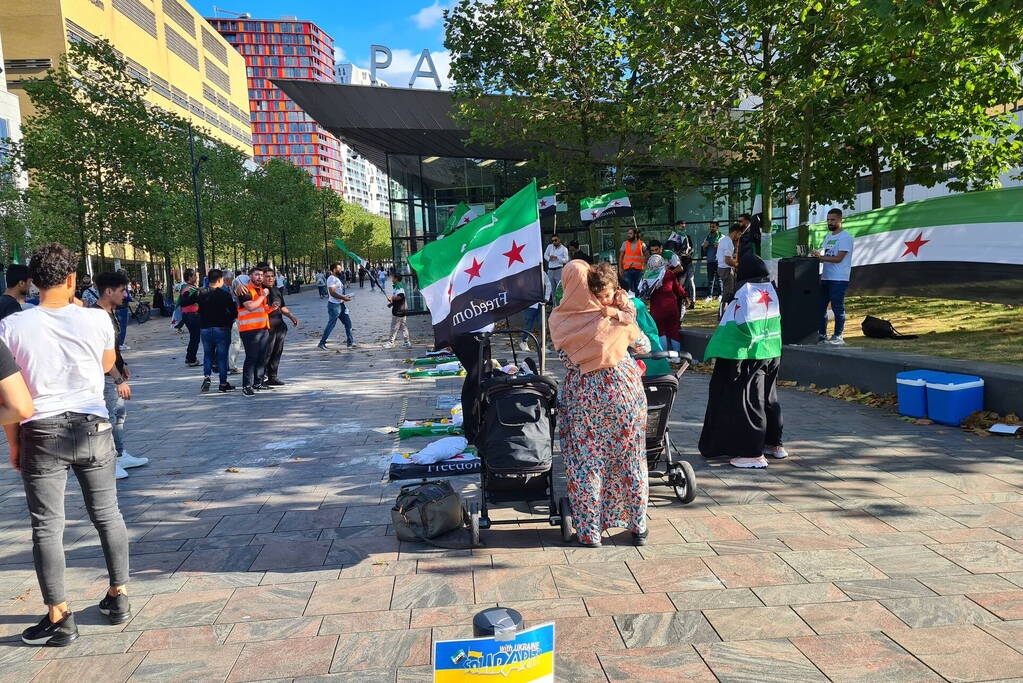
(879, 328)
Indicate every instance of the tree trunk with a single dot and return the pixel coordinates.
(168, 284)
(806, 164)
(874, 164)
(901, 177)
(767, 155)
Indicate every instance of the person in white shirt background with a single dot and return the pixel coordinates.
(835, 255)
(555, 256)
(728, 260)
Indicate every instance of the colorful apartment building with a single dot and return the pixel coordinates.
(191, 70)
(286, 48)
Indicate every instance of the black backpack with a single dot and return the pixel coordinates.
(878, 328)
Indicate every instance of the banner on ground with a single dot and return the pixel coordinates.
(610, 205)
(750, 327)
(340, 244)
(961, 246)
(484, 272)
(528, 657)
(461, 215)
(547, 201)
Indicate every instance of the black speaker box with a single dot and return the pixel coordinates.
(799, 299)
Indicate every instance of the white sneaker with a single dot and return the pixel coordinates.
(125, 347)
(779, 452)
(127, 460)
(388, 345)
(119, 472)
(524, 346)
(836, 340)
(407, 345)
(749, 463)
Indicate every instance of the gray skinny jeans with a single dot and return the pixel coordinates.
(49, 447)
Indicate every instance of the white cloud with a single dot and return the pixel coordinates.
(339, 54)
(429, 17)
(403, 63)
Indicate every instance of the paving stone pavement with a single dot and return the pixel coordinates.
(261, 546)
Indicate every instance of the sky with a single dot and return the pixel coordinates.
(405, 26)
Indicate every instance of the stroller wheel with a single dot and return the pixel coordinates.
(565, 508)
(683, 479)
(471, 515)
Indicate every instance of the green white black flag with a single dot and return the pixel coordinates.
(485, 271)
(547, 201)
(461, 215)
(347, 252)
(610, 205)
(750, 327)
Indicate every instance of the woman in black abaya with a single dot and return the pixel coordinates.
(743, 420)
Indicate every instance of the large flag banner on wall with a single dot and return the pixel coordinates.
(610, 205)
(547, 201)
(961, 246)
(340, 244)
(485, 271)
(461, 215)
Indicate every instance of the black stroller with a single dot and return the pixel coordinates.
(662, 457)
(515, 438)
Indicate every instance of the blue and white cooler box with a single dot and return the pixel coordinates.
(944, 397)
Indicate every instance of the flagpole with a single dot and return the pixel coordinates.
(543, 338)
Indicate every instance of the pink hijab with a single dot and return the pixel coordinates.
(580, 328)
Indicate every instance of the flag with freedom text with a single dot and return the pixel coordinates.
(485, 271)
(610, 205)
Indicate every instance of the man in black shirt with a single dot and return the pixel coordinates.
(278, 328)
(217, 312)
(18, 282)
(575, 252)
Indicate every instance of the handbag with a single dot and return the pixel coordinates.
(426, 511)
(878, 328)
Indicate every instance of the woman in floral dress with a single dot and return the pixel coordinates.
(602, 407)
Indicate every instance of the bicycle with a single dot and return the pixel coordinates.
(141, 312)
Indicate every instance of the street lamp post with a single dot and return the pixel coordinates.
(201, 249)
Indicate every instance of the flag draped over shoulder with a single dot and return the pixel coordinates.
(608, 205)
(751, 326)
(461, 215)
(547, 201)
(485, 271)
(347, 252)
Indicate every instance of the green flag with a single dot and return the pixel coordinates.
(608, 205)
(461, 215)
(340, 243)
(485, 271)
(750, 327)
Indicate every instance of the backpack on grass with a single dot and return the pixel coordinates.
(878, 328)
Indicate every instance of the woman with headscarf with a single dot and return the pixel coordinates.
(743, 419)
(667, 298)
(602, 407)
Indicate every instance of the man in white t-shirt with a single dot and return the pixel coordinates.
(336, 309)
(63, 351)
(835, 255)
(728, 261)
(555, 256)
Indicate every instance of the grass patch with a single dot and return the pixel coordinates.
(968, 330)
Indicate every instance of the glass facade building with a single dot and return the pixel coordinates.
(292, 49)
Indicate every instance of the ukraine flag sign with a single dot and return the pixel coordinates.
(526, 658)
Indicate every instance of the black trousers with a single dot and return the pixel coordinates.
(255, 343)
(743, 414)
(275, 348)
(191, 321)
(467, 349)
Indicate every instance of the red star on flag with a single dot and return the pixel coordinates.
(765, 297)
(474, 271)
(913, 247)
(593, 214)
(451, 286)
(737, 307)
(543, 202)
(515, 254)
(616, 203)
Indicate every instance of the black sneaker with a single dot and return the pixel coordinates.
(248, 391)
(321, 347)
(640, 538)
(274, 382)
(192, 363)
(226, 386)
(234, 371)
(205, 385)
(52, 635)
(262, 386)
(116, 608)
